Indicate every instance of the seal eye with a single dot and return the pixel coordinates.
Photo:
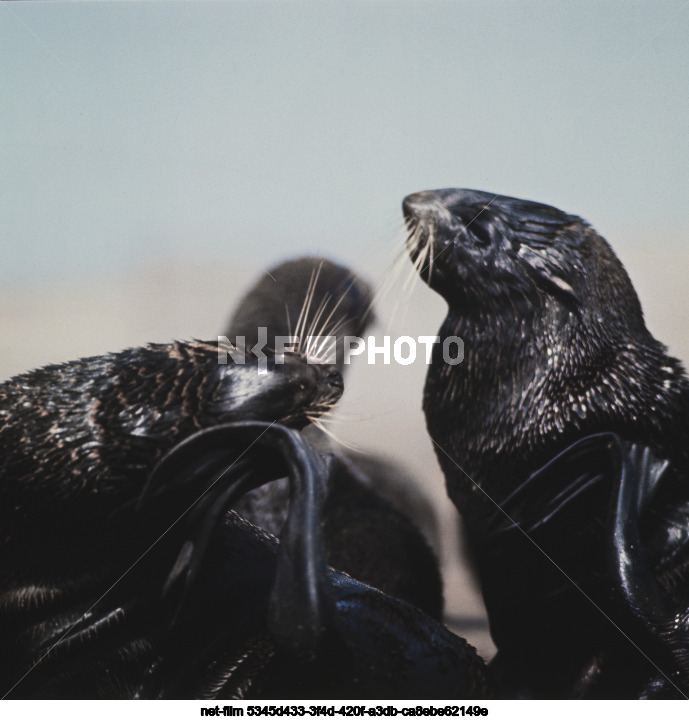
(481, 234)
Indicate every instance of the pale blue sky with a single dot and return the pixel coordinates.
(134, 131)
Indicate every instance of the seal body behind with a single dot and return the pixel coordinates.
(370, 515)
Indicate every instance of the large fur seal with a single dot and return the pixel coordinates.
(555, 349)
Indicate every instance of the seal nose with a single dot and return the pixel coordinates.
(416, 204)
(444, 203)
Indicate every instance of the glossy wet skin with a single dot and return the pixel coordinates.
(289, 391)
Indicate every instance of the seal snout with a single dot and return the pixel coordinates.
(418, 204)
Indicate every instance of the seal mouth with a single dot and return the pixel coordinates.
(328, 391)
(334, 380)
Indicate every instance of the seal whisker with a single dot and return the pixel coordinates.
(308, 298)
(310, 333)
(334, 415)
(398, 265)
(288, 320)
(393, 280)
(418, 263)
(323, 329)
(322, 427)
(313, 324)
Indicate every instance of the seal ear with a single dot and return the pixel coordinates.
(545, 276)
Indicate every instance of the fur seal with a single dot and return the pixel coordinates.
(80, 438)
(370, 504)
(555, 350)
(78, 443)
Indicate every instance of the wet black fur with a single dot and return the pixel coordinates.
(555, 349)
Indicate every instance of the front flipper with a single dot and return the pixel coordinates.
(544, 575)
(229, 593)
(210, 471)
(549, 493)
(657, 624)
(578, 571)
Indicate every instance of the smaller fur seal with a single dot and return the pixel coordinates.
(555, 350)
(369, 504)
(80, 438)
(78, 443)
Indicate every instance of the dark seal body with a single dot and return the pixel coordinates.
(555, 349)
(80, 438)
(78, 442)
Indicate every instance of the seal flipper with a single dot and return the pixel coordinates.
(653, 620)
(205, 460)
(619, 581)
(549, 491)
(522, 550)
(536, 515)
(323, 627)
(302, 604)
(223, 640)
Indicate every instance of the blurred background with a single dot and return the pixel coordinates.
(157, 157)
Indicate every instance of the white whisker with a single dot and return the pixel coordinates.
(308, 299)
(289, 321)
(321, 427)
